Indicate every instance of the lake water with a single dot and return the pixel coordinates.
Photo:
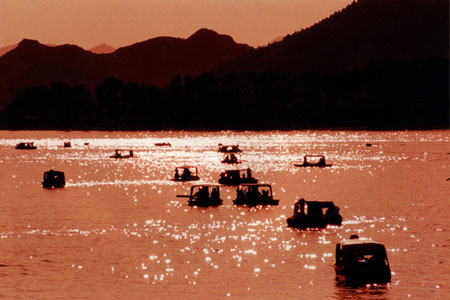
(118, 231)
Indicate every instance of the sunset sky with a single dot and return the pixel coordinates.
(88, 23)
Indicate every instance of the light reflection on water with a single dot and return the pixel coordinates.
(118, 231)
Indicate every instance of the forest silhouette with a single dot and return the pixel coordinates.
(385, 96)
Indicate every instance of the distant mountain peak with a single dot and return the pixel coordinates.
(207, 35)
(102, 49)
(29, 43)
(204, 32)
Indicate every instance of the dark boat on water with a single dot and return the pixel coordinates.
(26, 146)
(237, 177)
(162, 144)
(309, 214)
(204, 195)
(120, 153)
(252, 194)
(67, 144)
(313, 161)
(361, 261)
(54, 179)
(229, 148)
(231, 158)
(186, 173)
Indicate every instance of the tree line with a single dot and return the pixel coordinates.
(382, 96)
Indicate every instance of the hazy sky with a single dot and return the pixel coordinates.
(88, 23)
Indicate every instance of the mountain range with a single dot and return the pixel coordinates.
(99, 49)
(364, 33)
(155, 60)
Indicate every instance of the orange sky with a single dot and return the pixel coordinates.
(88, 23)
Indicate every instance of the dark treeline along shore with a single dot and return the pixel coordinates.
(377, 64)
(389, 96)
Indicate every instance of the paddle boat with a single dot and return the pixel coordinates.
(26, 146)
(54, 179)
(120, 153)
(162, 144)
(186, 173)
(204, 195)
(361, 261)
(229, 148)
(231, 158)
(252, 194)
(237, 177)
(313, 161)
(309, 214)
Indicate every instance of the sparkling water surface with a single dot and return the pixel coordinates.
(118, 231)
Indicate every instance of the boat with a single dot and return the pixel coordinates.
(362, 261)
(252, 194)
(26, 146)
(186, 173)
(309, 214)
(237, 177)
(120, 153)
(229, 149)
(313, 161)
(67, 144)
(162, 144)
(204, 195)
(54, 179)
(231, 158)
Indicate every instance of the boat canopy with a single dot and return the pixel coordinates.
(255, 187)
(52, 175)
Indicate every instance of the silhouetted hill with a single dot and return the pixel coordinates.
(365, 32)
(102, 49)
(32, 63)
(156, 61)
(6, 49)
